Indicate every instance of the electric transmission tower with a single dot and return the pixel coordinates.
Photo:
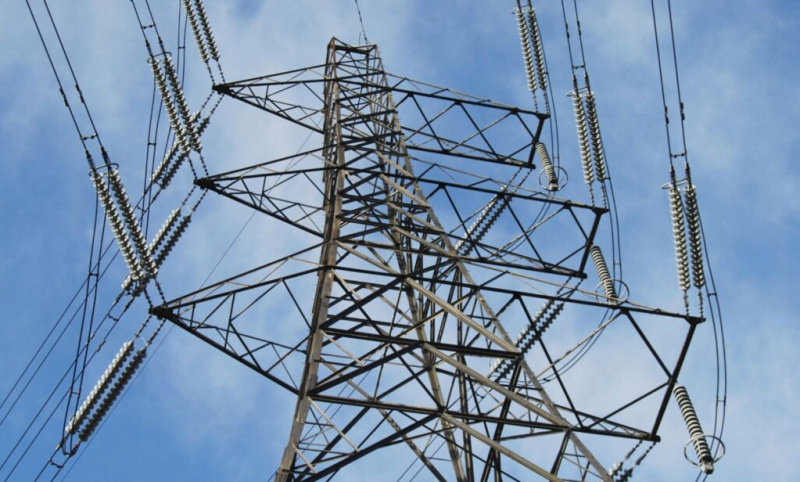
(431, 242)
(449, 312)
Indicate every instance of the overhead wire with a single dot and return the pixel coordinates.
(88, 289)
(83, 138)
(608, 193)
(96, 268)
(363, 32)
(95, 276)
(55, 389)
(163, 339)
(698, 241)
(361, 21)
(58, 80)
(171, 327)
(92, 335)
(614, 231)
(95, 134)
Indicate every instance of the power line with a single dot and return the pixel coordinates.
(361, 21)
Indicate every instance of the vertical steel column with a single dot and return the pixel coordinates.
(333, 155)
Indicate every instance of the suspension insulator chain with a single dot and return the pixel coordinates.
(99, 389)
(160, 238)
(132, 223)
(172, 240)
(486, 219)
(198, 36)
(117, 226)
(538, 49)
(162, 233)
(547, 166)
(679, 237)
(695, 236)
(212, 44)
(183, 107)
(113, 394)
(490, 217)
(583, 137)
(165, 163)
(704, 459)
(597, 141)
(602, 272)
(527, 57)
(167, 169)
(529, 335)
(169, 106)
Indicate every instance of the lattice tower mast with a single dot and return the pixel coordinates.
(402, 346)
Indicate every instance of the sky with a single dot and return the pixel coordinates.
(194, 414)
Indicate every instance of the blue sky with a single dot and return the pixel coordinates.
(196, 415)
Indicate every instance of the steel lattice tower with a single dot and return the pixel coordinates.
(432, 241)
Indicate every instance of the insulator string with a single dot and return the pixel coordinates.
(553, 125)
(529, 335)
(527, 57)
(583, 139)
(112, 395)
(180, 101)
(132, 223)
(538, 51)
(547, 166)
(121, 216)
(117, 227)
(597, 141)
(679, 237)
(695, 236)
(606, 280)
(206, 26)
(697, 246)
(697, 437)
(196, 32)
(99, 389)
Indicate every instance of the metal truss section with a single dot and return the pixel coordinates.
(435, 119)
(428, 244)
